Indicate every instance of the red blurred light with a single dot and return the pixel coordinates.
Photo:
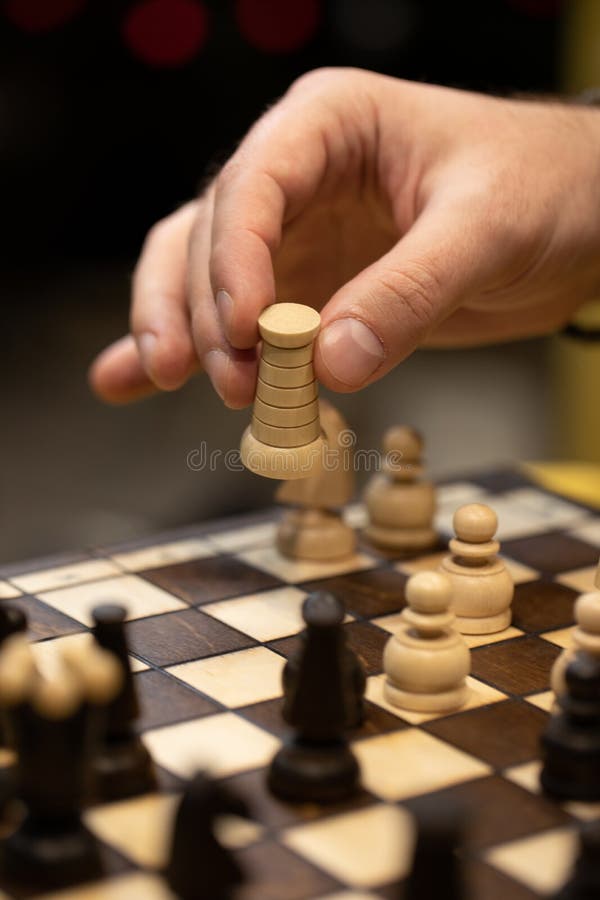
(277, 26)
(166, 32)
(41, 15)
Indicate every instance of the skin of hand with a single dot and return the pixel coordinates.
(408, 214)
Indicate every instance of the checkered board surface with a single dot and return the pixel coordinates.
(214, 612)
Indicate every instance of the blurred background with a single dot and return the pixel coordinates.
(111, 113)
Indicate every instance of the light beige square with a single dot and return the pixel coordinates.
(460, 492)
(47, 651)
(588, 531)
(139, 597)
(480, 694)
(542, 862)
(140, 827)
(132, 886)
(356, 515)
(62, 576)
(235, 679)
(364, 848)
(163, 554)
(294, 571)
(544, 700)
(410, 762)
(562, 637)
(260, 535)
(581, 580)
(8, 591)
(223, 743)
(265, 616)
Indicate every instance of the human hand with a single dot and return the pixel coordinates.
(409, 214)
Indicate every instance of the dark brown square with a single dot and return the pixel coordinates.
(182, 636)
(44, 621)
(214, 578)
(552, 552)
(366, 639)
(542, 606)
(267, 715)
(496, 810)
(277, 814)
(275, 873)
(519, 666)
(164, 700)
(503, 734)
(374, 592)
(487, 883)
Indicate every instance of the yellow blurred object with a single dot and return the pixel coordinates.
(581, 56)
(580, 481)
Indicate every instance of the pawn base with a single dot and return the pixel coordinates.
(307, 772)
(400, 538)
(484, 624)
(426, 703)
(49, 857)
(122, 769)
(314, 534)
(282, 463)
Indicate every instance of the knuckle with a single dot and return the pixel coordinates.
(414, 291)
(315, 79)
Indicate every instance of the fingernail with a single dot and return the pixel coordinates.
(147, 345)
(350, 351)
(224, 309)
(216, 364)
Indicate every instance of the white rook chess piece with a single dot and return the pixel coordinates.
(399, 501)
(585, 637)
(284, 439)
(427, 660)
(482, 587)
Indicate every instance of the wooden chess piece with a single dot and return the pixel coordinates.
(426, 661)
(400, 502)
(585, 637)
(482, 587)
(571, 739)
(199, 867)
(437, 870)
(54, 718)
(323, 603)
(314, 527)
(284, 439)
(317, 764)
(122, 766)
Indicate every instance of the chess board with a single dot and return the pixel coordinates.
(214, 611)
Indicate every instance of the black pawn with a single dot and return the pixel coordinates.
(584, 884)
(571, 740)
(122, 766)
(355, 673)
(199, 867)
(316, 764)
(436, 870)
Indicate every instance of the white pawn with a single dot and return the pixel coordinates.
(399, 501)
(482, 586)
(585, 637)
(427, 660)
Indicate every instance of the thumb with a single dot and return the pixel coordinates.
(378, 318)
